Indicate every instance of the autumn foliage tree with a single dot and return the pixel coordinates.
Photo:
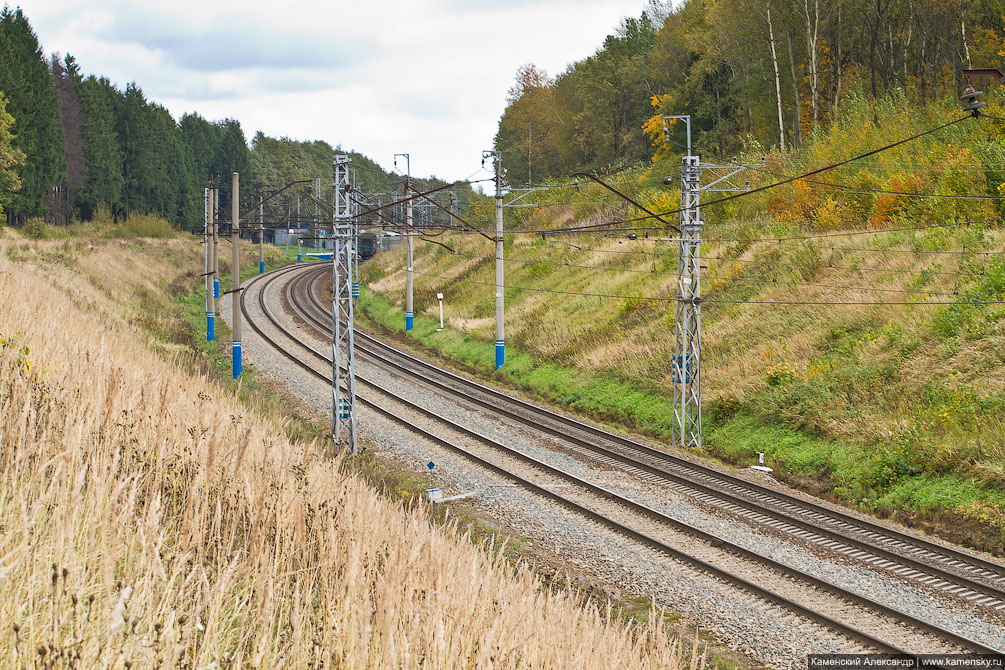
(773, 72)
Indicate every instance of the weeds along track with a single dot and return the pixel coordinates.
(846, 613)
(970, 578)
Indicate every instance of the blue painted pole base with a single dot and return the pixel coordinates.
(237, 358)
(210, 327)
(216, 287)
(409, 319)
(261, 267)
(500, 353)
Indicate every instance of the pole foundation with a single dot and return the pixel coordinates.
(409, 320)
(261, 267)
(210, 327)
(500, 353)
(237, 358)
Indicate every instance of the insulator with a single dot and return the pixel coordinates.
(971, 99)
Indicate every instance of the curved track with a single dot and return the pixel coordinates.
(815, 599)
(960, 574)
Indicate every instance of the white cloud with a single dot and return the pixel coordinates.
(428, 77)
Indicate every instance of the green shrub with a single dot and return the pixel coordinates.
(722, 408)
(146, 225)
(35, 229)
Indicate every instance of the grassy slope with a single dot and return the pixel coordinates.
(88, 462)
(896, 409)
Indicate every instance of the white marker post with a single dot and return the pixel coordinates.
(439, 296)
(434, 494)
(760, 467)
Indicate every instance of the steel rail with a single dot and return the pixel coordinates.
(905, 567)
(821, 584)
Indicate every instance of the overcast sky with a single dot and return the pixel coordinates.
(425, 77)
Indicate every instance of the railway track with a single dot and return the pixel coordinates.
(964, 576)
(876, 625)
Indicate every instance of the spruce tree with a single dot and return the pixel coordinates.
(103, 182)
(66, 75)
(232, 156)
(33, 102)
(10, 157)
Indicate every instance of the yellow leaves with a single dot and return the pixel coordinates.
(654, 126)
(724, 278)
(21, 360)
(780, 374)
(657, 101)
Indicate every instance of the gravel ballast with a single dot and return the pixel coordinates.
(768, 633)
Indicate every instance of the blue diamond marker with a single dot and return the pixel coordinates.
(430, 465)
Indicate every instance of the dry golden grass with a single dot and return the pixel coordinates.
(736, 346)
(112, 275)
(467, 325)
(149, 520)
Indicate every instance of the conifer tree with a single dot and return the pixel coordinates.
(232, 156)
(33, 102)
(10, 157)
(103, 179)
(66, 74)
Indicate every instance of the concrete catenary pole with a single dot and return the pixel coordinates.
(355, 243)
(215, 213)
(207, 253)
(261, 236)
(409, 244)
(317, 201)
(235, 265)
(500, 327)
(409, 261)
(300, 221)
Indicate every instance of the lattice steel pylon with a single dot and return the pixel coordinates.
(686, 425)
(344, 423)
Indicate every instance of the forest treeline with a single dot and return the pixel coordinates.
(774, 71)
(71, 145)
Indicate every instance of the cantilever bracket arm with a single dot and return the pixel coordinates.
(452, 215)
(319, 203)
(992, 72)
(735, 171)
(244, 215)
(626, 199)
(527, 192)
